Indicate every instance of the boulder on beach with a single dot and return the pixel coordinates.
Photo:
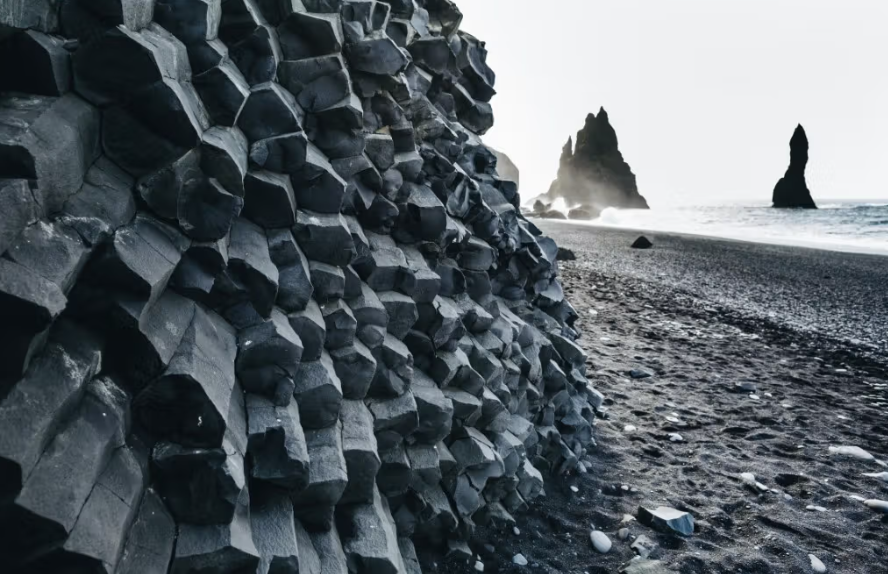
(642, 243)
(792, 190)
(593, 174)
(584, 212)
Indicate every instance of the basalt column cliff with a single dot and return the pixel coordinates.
(594, 175)
(792, 190)
(266, 304)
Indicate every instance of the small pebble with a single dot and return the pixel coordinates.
(479, 566)
(675, 437)
(816, 564)
(815, 508)
(754, 397)
(574, 489)
(600, 541)
(629, 428)
(519, 559)
(623, 533)
(516, 531)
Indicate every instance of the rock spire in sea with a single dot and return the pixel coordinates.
(792, 189)
(593, 174)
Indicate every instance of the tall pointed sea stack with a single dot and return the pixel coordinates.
(595, 175)
(792, 190)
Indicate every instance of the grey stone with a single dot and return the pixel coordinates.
(268, 112)
(434, 409)
(380, 148)
(149, 546)
(224, 91)
(200, 486)
(317, 185)
(285, 153)
(49, 393)
(268, 358)
(325, 238)
(274, 531)
(52, 251)
(306, 35)
(328, 281)
(402, 312)
(35, 63)
(340, 323)
(296, 287)
(250, 262)
(376, 54)
(667, 519)
(269, 201)
(218, 547)
(52, 141)
(356, 367)
(360, 450)
(332, 558)
(257, 55)
(223, 156)
(318, 393)
(277, 444)
(369, 537)
(395, 473)
(328, 478)
(309, 324)
(191, 403)
(397, 414)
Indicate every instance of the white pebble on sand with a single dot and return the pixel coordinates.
(815, 508)
(623, 533)
(749, 480)
(516, 531)
(675, 437)
(519, 559)
(673, 419)
(629, 428)
(816, 564)
(851, 452)
(479, 566)
(754, 397)
(574, 489)
(600, 541)
(878, 505)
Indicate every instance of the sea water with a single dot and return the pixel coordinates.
(839, 225)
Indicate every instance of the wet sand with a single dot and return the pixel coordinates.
(699, 316)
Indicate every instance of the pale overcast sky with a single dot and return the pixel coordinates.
(704, 94)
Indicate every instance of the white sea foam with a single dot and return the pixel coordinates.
(843, 226)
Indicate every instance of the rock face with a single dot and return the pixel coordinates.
(267, 305)
(792, 190)
(593, 175)
(506, 167)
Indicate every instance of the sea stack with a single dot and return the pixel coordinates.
(792, 190)
(593, 175)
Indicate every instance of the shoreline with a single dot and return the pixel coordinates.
(830, 247)
(839, 300)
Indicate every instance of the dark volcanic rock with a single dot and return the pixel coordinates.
(792, 190)
(642, 243)
(595, 175)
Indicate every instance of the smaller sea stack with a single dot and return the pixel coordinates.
(792, 190)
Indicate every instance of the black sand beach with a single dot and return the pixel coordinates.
(805, 329)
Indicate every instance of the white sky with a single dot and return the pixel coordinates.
(704, 94)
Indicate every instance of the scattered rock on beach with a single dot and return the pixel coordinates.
(639, 374)
(520, 560)
(644, 546)
(744, 387)
(623, 533)
(646, 567)
(642, 243)
(600, 541)
(667, 519)
(851, 452)
(565, 254)
(878, 505)
(816, 564)
(749, 480)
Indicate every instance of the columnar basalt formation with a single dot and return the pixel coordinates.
(792, 189)
(266, 304)
(594, 176)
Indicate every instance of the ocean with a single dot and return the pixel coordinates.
(857, 226)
